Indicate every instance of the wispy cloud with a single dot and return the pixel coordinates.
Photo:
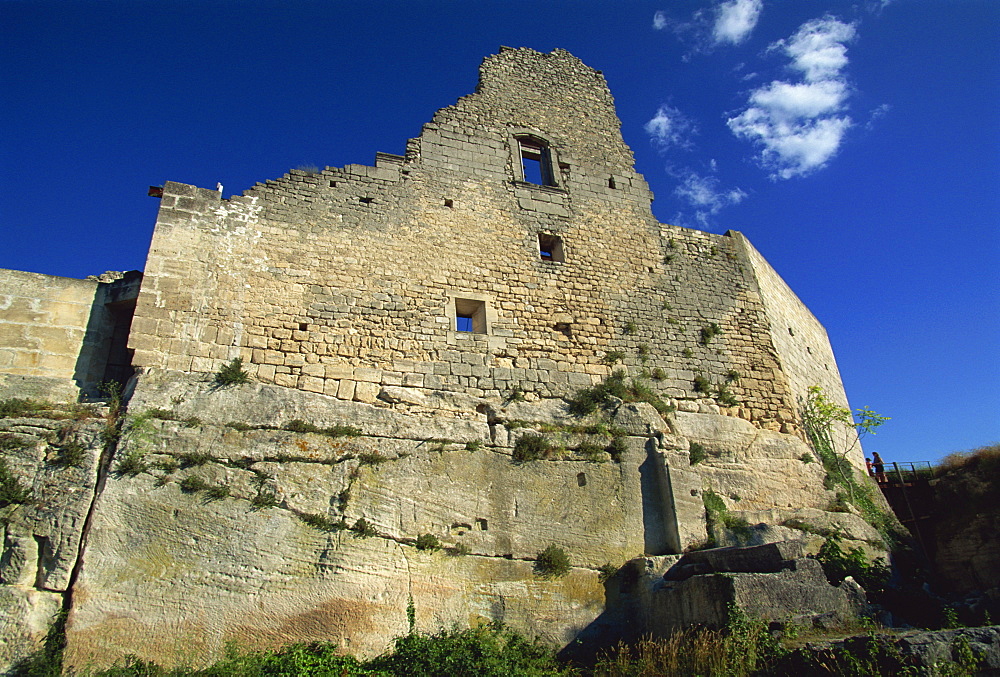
(799, 126)
(725, 22)
(706, 195)
(669, 127)
(734, 20)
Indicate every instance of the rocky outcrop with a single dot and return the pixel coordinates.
(974, 651)
(219, 522)
(774, 582)
(51, 460)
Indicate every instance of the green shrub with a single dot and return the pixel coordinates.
(364, 529)
(321, 522)
(873, 576)
(192, 484)
(299, 426)
(618, 448)
(726, 398)
(193, 459)
(217, 492)
(718, 516)
(709, 332)
(70, 453)
(687, 352)
(591, 452)
(167, 465)
(371, 459)
(630, 328)
(242, 427)
(613, 357)
(606, 571)
(264, 499)
(490, 650)
(515, 395)
(553, 562)
(428, 542)
(474, 445)
(162, 414)
(701, 384)
(658, 374)
(11, 491)
(589, 400)
(132, 463)
(532, 448)
(232, 373)
(696, 453)
(732, 376)
(806, 457)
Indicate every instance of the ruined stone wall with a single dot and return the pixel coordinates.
(802, 345)
(56, 332)
(346, 280)
(43, 324)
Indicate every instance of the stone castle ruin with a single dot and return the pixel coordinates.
(446, 303)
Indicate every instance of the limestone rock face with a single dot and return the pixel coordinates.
(216, 523)
(41, 536)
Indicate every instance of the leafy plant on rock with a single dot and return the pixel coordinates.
(232, 373)
(532, 448)
(553, 562)
(428, 542)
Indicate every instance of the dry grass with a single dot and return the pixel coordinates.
(985, 457)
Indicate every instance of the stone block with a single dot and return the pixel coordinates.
(366, 391)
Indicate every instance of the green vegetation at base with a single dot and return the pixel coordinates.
(487, 651)
(741, 648)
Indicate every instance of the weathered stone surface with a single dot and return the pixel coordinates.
(768, 558)
(204, 573)
(798, 591)
(41, 538)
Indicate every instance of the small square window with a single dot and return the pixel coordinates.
(550, 247)
(470, 316)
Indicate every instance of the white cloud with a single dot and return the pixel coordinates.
(787, 101)
(659, 21)
(669, 127)
(735, 19)
(818, 48)
(706, 195)
(799, 126)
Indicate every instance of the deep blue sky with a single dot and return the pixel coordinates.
(885, 226)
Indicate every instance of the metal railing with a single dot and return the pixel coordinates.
(906, 472)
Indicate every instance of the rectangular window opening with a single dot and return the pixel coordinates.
(550, 247)
(470, 316)
(536, 164)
